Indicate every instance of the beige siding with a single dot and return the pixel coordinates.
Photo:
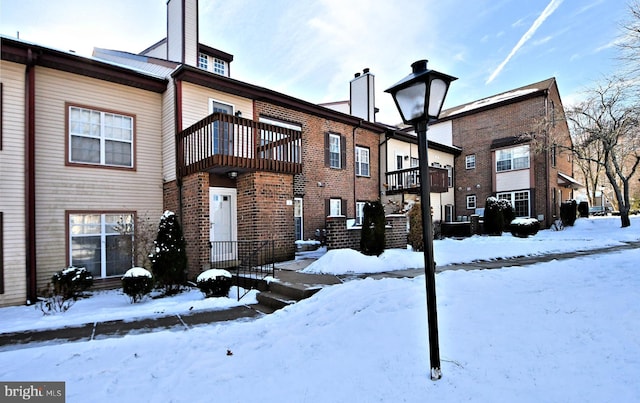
(191, 33)
(12, 181)
(61, 188)
(195, 103)
(168, 134)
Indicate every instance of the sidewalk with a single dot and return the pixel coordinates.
(286, 273)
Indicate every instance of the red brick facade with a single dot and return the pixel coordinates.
(475, 132)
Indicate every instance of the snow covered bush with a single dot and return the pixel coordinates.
(523, 227)
(214, 282)
(66, 286)
(169, 256)
(496, 214)
(71, 282)
(136, 283)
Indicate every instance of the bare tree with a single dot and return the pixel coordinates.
(607, 124)
(629, 42)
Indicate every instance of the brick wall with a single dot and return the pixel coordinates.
(265, 211)
(195, 221)
(317, 182)
(340, 237)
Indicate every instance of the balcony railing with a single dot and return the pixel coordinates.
(222, 142)
(408, 181)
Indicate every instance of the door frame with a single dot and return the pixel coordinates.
(233, 194)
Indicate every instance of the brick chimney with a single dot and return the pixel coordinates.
(182, 31)
(362, 96)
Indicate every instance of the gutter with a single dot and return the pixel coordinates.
(30, 179)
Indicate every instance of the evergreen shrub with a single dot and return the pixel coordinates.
(524, 227)
(496, 214)
(169, 255)
(414, 238)
(214, 283)
(137, 282)
(569, 213)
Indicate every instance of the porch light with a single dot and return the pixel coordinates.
(419, 98)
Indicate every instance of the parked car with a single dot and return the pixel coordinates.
(598, 211)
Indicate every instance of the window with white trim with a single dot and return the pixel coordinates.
(101, 242)
(362, 161)
(512, 158)
(335, 207)
(203, 61)
(334, 150)
(519, 201)
(471, 202)
(100, 138)
(470, 161)
(219, 66)
(360, 212)
(449, 169)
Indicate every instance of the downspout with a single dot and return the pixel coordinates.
(177, 96)
(30, 179)
(353, 134)
(547, 169)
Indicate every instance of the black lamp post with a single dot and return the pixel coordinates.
(419, 98)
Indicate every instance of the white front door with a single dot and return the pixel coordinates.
(222, 217)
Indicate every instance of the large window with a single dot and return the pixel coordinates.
(512, 158)
(101, 242)
(519, 200)
(100, 138)
(362, 161)
(334, 150)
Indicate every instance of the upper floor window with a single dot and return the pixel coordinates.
(362, 161)
(554, 151)
(470, 161)
(203, 61)
(219, 67)
(449, 169)
(100, 138)
(512, 158)
(335, 153)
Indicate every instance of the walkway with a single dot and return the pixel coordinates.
(287, 273)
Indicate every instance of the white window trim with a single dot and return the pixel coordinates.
(359, 164)
(472, 202)
(512, 158)
(470, 161)
(334, 137)
(335, 207)
(212, 100)
(203, 61)
(512, 200)
(360, 212)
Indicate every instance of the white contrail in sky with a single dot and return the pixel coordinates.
(551, 7)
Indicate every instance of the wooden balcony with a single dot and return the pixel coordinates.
(408, 181)
(221, 143)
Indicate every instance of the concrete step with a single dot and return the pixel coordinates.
(274, 300)
(294, 291)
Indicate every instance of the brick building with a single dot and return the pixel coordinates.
(91, 145)
(500, 159)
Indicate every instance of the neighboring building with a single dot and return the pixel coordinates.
(399, 170)
(499, 159)
(89, 145)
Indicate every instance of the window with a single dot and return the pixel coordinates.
(222, 131)
(280, 145)
(399, 162)
(100, 138)
(471, 202)
(449, 169)
(362, 161)
(470, 161)
(512, 158)
(101, 242)
(519, 201)
(360, 212)
(554, 150)
(203, 61)
(335, 207)
(219, 67)
(335, 151)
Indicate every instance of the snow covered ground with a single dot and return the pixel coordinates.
(562, 331)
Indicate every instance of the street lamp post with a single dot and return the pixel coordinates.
(419, 98)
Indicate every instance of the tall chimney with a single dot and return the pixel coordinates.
(182, 31)
(362, 90)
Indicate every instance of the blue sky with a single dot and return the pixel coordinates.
(311, 49)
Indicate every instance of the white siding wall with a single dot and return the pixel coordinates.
(12, 183)
(60, 188)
